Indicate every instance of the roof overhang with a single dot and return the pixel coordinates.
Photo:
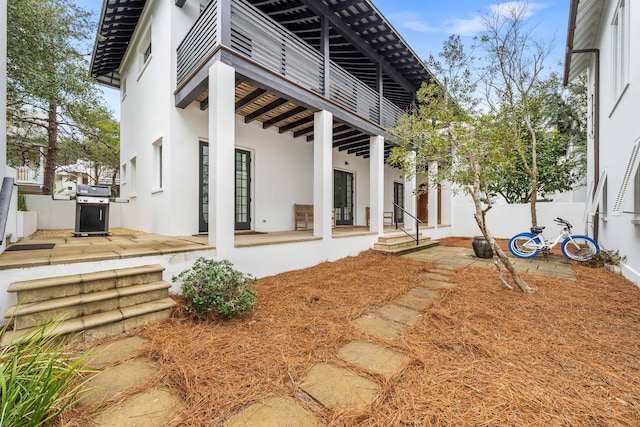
(118, 21)
(582, 33)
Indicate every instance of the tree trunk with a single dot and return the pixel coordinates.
(534, 171)
(499, 257)
(52, 149)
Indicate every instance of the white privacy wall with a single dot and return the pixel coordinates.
(504, 221)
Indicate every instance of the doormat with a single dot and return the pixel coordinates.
(30, 247)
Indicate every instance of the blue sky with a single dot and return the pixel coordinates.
(426, 24)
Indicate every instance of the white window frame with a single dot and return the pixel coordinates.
(620, 50)
(123, 174)
(603, 202)
(157, 166)
(636, 197)
(133, 172)
(144, 52)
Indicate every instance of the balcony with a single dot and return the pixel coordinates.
(254, 36)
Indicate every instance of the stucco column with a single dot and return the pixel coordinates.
(376, 183)
(410, 194)
(222, 136)
(322, 174)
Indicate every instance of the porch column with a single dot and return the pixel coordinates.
(221, 158)
(410, 194)
(322, 174)
(376, 183)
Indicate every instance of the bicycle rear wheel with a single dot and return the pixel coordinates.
(579, 248)
(524, 245)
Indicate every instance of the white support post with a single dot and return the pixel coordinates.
(376, 183)
(322, 174)
(221, 158)
(410, 194)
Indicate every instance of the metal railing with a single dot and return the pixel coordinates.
(269, 44)
(418, 222)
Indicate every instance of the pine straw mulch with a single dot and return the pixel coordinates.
(482, 355)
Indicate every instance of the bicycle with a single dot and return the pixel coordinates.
(575, 247)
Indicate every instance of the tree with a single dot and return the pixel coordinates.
(94, 139)
(47, 79)
(516, 84)
(447, 127)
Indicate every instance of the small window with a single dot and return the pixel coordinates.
(123, 173)
(157, 164)
(144, 51)
(620, 48)
(132, 178)
(123, 87)
(636, 196)
(603, 203)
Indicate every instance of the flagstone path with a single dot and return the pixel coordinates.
(332, 386)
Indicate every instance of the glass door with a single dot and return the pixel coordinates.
(343, 197)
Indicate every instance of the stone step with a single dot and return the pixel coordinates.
(104, 324)
(397, 238)
(406, 246)
(30, 291)
(33, 314)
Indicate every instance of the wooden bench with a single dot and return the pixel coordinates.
(385, 216)
(303, 217)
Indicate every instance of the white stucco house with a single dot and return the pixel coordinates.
(234, 111)
(602, 40)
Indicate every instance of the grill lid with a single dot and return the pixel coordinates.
(93, 190)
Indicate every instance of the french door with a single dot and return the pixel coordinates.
(343, 197)
(242, 194)
(398, 199)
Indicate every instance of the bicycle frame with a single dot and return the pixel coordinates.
(546, 245)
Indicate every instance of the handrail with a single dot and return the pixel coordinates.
(418, 222)
(5, 201)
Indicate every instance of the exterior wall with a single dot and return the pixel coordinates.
(61, 214)
(619, 130)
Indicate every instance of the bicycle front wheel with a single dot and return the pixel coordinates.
(524, 245)
(580, 248)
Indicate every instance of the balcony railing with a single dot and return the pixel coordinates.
(26, 175)
(256, 36)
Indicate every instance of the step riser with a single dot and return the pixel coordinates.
(406, 244)
(396, 239)
(88, 308)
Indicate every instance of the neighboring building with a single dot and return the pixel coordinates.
(602, 39)
(233, 111)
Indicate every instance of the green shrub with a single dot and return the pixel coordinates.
(214, 286)
(22, 202)
(38, 379)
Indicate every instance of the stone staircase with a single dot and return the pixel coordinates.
(92, 305)
(400, 243)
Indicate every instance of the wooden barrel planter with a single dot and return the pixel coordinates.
(481, 247)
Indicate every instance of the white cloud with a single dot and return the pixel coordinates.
(465, 27)
(529, 8)
(413, 21)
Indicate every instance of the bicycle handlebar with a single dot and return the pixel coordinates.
(563, 221)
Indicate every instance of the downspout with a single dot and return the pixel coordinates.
(596, 131)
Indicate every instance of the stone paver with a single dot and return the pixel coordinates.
(400, 314)
(155, 407)
(339, 388)
(112, 381)
(273, 412)
(379, 327)
(416, 301)
(107, 354)
(373, 357)
(438, 284)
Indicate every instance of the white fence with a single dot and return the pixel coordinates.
(506, 220)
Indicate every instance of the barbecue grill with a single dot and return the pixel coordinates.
(92, 210)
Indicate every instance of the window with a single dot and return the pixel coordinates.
(144, 51)
(157, 165)
(123, 174)
(603, 202)
(123, 87)
(636, 197)
(132, 178)
(620, 39)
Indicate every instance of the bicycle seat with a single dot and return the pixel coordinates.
(536, 230)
